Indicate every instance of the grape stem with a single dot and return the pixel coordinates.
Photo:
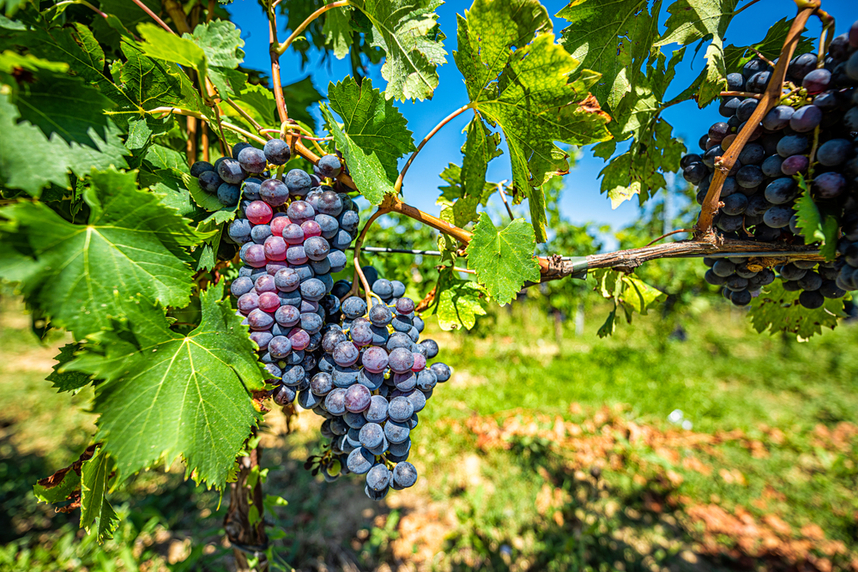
(154, 16)
(740, 94)
(503, 198)
(281, 48)
(703, 230)
(356, 259)
(398, 185)
(671, 233)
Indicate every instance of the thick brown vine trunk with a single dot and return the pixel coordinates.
(245, 538)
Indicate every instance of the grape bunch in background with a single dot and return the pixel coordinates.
(810, 134)
(359, 367)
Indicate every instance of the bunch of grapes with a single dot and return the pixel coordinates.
(359, 367)
(810, 134)
(372, 382)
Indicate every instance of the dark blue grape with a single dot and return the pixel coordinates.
(337, 259)
(695, 173)
(750, 176)
(239, 230)
(778, 117)
(342, 240)
(329, 166)
(317, 248)
(378, 479)
(273, 192)
(260, 233)
(816, 81)
(754, 66)
(335, 402)
(746, 109)
(360, 461)
(735, 204)
(811, 299)
(383, 288)
(349, 221)
(300, 211)
(298, 182)
(728, 107)
(210, 181)
(252, 160)
(806, 119)
(801, 66)
(442, 371)
(345, 354)
(230, 171)
(829, 185)
(354, 307)
(284, 395)
(277, 151)
(771, 167)
(228, 194)
(793, 145)
(752, 154)
(328, 224)
(250, 189)
(401, 360)
(834, 152)
(777, 217)
(313, 289)
(417, 398)
(330, 203)
(371, 435)
(397, 431)
(237, 148)
(794, 164)
(201, 167)
(311, 322)
(757, 83)
(279, 347)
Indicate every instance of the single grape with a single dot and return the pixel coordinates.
(311, 228)
(265, 283)
(793, 145)
(329, 166)
(778, 117)
(313, 289)
(801, 66)
(300, 211)
(750, 176)
(239, 230)
(417, 399)
(442, 371)
(810, 281)
(405, 381)
(357, 399)
(811, 299)
(284, 395)
(345, 354)
(330, 203)
(274, 192)
(337, 260)
(353, 307)
(777, 217)
(210, 181)
(228, 194)
(375, 359)
(269, 302)
(252, 160)
(377, 479)
(792, 272)
(275, 248)
(230, 171)
(250, 189)
(695, 173)
(781, 191)
(829, 185)
(397, 431)
(277, 152)
(237, 148)
(360, 461)
(349, 221)
(287, 316)
(806, 119)
(298, 182)
(746, 109)
(757, 83)
(752, 154)
(296, 255)
(794, 164)
(316, 248)
(380, 315)
(816, 81)
(401, 360)
(254, 256)
(834, 152)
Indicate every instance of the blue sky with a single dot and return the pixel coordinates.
(582, 200)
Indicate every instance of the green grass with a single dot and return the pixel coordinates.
(527, 500)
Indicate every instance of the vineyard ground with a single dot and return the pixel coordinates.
(535, 456)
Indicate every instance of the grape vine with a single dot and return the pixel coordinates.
(145, 169)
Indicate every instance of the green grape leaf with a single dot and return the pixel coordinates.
(776, 310)
(96, 515)
(221, 42)
(693, 20)
(737, 56)
(338, 31)
(407, 31)
(503, 259)
(814, 226)
(82, 274)
(64, 484)
(373, 137)
(458, 302)
(22, 141)
(67, 380)
(162, 45)
(611, 38)
(628, 293)
(167, 394)
(481, 146)
(536, 92)
(152, 83)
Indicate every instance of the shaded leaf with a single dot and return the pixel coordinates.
(776, 310)
(96, 515)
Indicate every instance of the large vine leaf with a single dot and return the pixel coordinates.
(503, 259)
(167, 395)
(96, 515)
(83, 274)
(372, 138)
(407, 31)
(521, 80)
(162, 45)
(612, 38)
(693, 20)
(777, 310)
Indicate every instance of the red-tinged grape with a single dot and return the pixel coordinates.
(299, 338)
(275, 248)
(311, 228)
(269, 301)
(278, 224)
(816, 81)
(254, 256)
(259, 212)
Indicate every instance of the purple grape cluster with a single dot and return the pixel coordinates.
(760, 190)
(364, 369)
(371, 381)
